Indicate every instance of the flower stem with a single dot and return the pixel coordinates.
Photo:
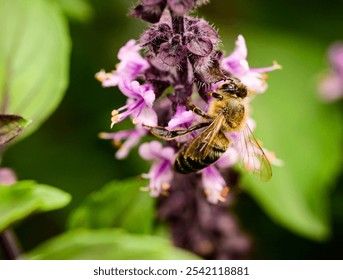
(10, 244)
(183, 86)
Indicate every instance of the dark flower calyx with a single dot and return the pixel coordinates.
(172, 52)
(200, 28)
(152, 2)
(149, 10)
(155, 36)
(209, 75)
(181, 7)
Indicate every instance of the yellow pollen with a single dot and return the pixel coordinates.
(165, 186)
(225, 191)
(101, 75)
(114, 113)
(116, 143)
(115, 119)
(265, 76)
(277, 65)
(144, 189)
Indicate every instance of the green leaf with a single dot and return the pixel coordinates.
(26, 197)
(78, 10)
(10, 127)
(117, 204)
(34, 59)
(107, 244)
(305, 133)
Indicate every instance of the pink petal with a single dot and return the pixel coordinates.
(241, 51)
(213, 184)
(331, 87)
(149, 151)
(147, 116)
(129, 48)
(149, 97)
(125, 148)
(181, 117)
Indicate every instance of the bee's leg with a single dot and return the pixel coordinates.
(215, 95)
(197, 110)
(169, 135)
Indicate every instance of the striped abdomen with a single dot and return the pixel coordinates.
(195, 157)
(187, 164)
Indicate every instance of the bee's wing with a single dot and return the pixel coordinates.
(254, 158)
(201, 145)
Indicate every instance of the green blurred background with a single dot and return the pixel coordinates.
(65, 151)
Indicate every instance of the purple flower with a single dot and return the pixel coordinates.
(201, 38)
(237, 65)
(160, 173)
(138, 106)
(182, 119)
(131, 66)
(331, 84)
(213, 184)
(7, 177)
(172, 52)
(200, 41)
(151, 10)
(181, 7)
(132, 137)
(182, 62)
(228, 159)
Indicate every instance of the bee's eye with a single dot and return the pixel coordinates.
(229, 87)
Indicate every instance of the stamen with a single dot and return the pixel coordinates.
(144, 189)
(117, 143)
(277, 65)
(114, 113)
(101, 75)
(115, 119)
(225, 191)
(165, 186)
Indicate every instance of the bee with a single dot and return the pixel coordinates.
(227, 114)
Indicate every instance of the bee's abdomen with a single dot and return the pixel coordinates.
(185, 164)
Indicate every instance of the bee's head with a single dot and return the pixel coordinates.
(233, 88)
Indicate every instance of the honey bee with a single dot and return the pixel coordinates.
(227, 114)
